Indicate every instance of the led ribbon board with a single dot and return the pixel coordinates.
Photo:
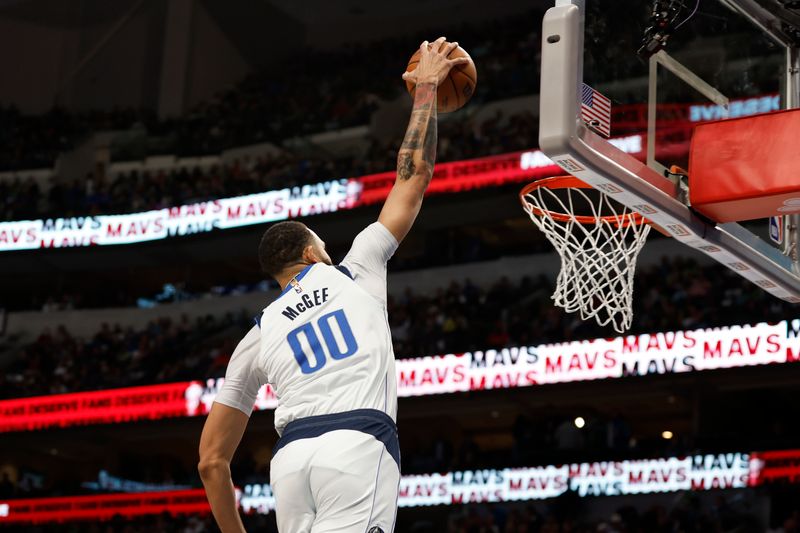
(605, 478)
(601, 478)
(522, 366)
(271, 206)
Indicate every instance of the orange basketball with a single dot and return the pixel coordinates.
(457, 89)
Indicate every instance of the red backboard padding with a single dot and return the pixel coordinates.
(746, 168)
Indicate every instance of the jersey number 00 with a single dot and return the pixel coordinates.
(325, 326)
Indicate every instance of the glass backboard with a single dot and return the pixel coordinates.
(714, 57)
(667, 66)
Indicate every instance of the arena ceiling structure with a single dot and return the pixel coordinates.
(91, 54)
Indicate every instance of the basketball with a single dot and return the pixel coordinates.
(457, 88)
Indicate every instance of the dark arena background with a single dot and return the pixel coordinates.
(145, 145)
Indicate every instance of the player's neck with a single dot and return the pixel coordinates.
(285, 277)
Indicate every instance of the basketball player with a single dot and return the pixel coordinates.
(325, 346)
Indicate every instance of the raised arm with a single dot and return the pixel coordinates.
(417, 154)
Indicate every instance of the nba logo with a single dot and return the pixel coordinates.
(776, 229)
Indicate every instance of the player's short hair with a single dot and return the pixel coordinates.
(282, 245)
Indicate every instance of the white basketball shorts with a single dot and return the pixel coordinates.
(337, 473)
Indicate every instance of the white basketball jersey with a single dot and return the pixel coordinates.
(324, 344)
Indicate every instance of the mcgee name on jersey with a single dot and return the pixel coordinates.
(318, 297)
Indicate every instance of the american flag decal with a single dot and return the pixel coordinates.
(596, 111)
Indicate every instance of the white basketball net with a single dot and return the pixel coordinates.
(597, 260)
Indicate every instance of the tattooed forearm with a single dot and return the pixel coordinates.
(425, 95)
(417, 154)
(405, 166)
(429, 148)
(412, 139)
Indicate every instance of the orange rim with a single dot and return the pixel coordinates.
(571, 182)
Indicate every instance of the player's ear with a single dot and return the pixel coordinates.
(310, 255)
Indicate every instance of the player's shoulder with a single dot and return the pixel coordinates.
(374, 245)
(377, 232)
(343, 269)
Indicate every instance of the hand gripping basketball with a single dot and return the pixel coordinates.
(453, 71)
(434, 65)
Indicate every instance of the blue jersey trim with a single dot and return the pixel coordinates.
(369, 421)
(344, 270)
(257, 320)
(298, 277)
